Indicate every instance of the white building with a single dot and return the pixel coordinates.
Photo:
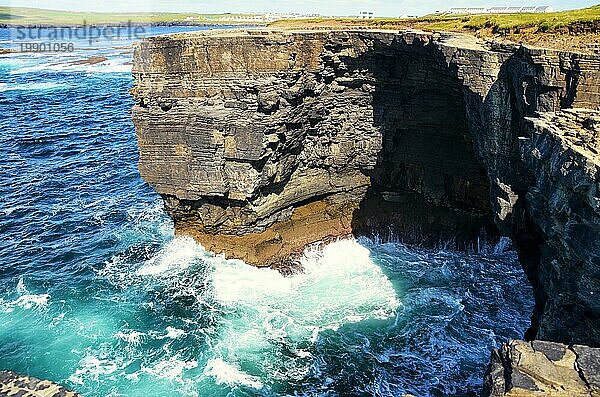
(265, 17)
(365, 15)
(500, 10)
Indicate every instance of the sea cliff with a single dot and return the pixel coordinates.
(261, 142)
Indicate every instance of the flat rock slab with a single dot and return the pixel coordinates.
(13, 384)
(541, 368)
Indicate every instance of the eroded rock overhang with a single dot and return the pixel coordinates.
(263, 141)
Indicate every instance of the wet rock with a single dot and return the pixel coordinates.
(12, 384)
(541, 368)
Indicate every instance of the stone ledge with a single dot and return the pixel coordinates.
(13, 384)
(541, 368)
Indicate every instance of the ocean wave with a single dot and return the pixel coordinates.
(109, 66)
(264, 311)
(177, 255)
(171, 369)
(32, 301)
(26, 300)
(134, 338)
(91, 368)
(174, 333)
(339, 284)
(260, 311)
(229, 375)
(33, 86)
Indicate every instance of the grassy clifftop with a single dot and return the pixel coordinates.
(573, 30)
(543, 22)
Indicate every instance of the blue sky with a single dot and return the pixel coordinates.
(326, 7)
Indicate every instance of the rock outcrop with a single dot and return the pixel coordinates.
(263, 141)
(562, 207)
(13, 384)
(541, 368)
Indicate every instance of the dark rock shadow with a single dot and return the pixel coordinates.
(449, 170)
(428, 186)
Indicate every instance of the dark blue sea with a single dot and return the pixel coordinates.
(96, 293)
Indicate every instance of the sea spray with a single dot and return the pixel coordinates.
(264, 313)
(272, 321)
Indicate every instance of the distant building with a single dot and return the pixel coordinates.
(265, 17)
(467, 10)
(365, 15)
(499, 10)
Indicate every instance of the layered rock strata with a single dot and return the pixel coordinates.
(541, 368)
(263, 141)
(560, 238)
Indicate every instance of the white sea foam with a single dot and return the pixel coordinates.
(177, 255)
(261, 310)
(174, 333)
(91, 367)
(32, 301)
(134, 338)
(171, 369)
(26, 300)
(230, 375)
(21, 289)
(109, 66)
(340, 284)
(265, 310)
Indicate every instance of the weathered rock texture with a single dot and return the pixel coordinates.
(12, 384)
(541, 368)
(263, 141)
(562, 211)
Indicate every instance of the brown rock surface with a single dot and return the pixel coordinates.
(539, 368)
(12, 384)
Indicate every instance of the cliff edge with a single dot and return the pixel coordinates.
(262, 141)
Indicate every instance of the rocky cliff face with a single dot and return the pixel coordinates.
(262, 141)
(561, 211)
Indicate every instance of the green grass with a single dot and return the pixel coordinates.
(543, 22)
(36, 16)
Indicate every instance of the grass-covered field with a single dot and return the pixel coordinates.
(577, 30)
(36, 16)
(498, 22)
(544, 22)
